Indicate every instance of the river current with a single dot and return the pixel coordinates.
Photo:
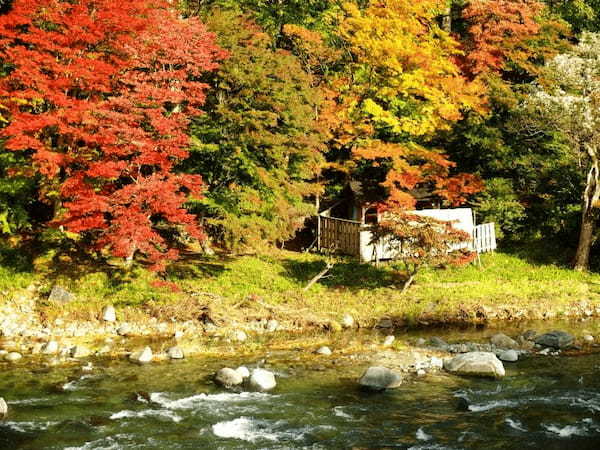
(548, 402)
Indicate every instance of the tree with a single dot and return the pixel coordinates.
(98, 94)
(418, 241)
(404, 86)
(570, 102)
(259, 146)
(498, 32)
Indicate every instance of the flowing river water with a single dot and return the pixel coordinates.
(549, 402)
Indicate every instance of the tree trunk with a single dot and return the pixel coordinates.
(447, 20)
(591, 196)
(586, 239)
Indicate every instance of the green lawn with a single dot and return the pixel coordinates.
(271, 285)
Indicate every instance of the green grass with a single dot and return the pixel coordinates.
(241, 287)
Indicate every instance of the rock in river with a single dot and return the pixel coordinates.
(503, 341)
(227, 377)
(142, 357)
(262, 380)
(378, 378)
(3, 409)
(555, 339)
(243, 371)
(509, 356)
(175, 353)
(483, 364)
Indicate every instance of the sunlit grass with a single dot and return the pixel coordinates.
(503, 280)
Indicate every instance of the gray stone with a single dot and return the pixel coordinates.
(109, 314)
(420, 342)
(240, 336)
(438, 342)
(555, 339)
(272, 325)
(228, 377)
(484, 364)
(175, 353)
(436, 363)
(380, 378)
(509, 355)
(530, 335)
(124, 330)
(12, 357)
(388, 341)
(243, 371)
(588, 338)
(3, 409)
(347, 321)
(503, 341)
(60, 295)
(142, 357)
(262, 380)
(50, 348)
(385, 323)
(79, 351)
(325, 351)
(421, 373)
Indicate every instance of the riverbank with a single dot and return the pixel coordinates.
(228, 305)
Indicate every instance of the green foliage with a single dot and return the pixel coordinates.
(258, 146)
(581, 14)
(17, 194)
(500, 204)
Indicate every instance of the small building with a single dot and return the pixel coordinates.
(345, 226)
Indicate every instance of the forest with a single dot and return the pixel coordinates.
(139, 133)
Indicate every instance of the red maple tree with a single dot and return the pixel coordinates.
(98, 93)
(498, 32)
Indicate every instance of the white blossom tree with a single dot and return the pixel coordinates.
(568, 101)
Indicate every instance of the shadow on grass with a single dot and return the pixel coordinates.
(541, 252)
(347, 274)
(197, 266)
(15, 259)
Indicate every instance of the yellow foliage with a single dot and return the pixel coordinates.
(406, 73)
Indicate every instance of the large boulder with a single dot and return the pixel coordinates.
(482, 364)
(555, 339)
(379, 378)
(503, 341)
(228, 377)
(262, 380)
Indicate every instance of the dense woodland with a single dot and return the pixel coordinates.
(137, 130)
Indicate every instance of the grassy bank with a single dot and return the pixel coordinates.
(506, 286)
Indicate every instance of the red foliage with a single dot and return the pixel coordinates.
(99, 92)
(499, 30)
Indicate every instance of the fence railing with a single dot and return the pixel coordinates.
(484, 238)
(340, 235)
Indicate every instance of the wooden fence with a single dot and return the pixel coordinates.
(484, 238)
(339, 235)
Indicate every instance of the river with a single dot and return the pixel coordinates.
(549, 402)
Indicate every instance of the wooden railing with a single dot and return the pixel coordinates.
(484, 238)
(339, 235)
